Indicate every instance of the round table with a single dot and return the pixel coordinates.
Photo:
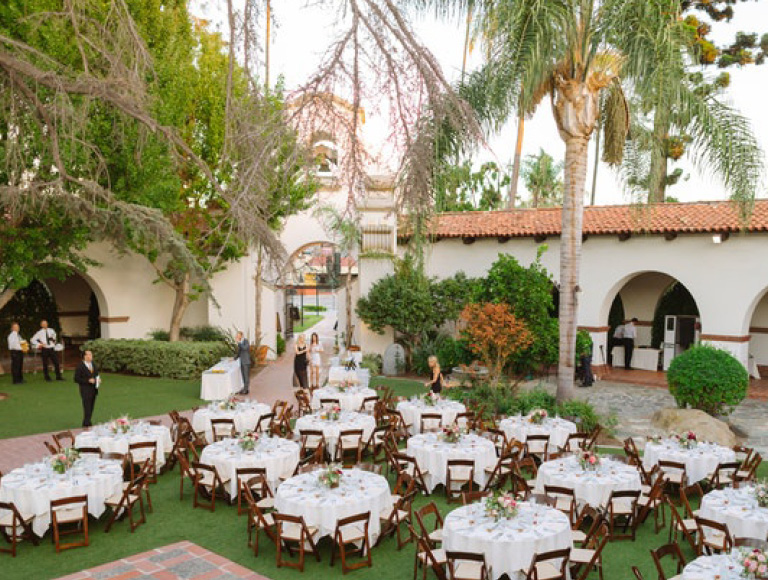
(508, 545)
(109, 442)
(738, 509)
(33, 486)
(350, 400)
(520, 428)
(719, 567)
(591, 487)
(432, 454)
(700, 460)
(246, 416)
(413, 409)
(321, 507)
(347, 421)
(279, 456)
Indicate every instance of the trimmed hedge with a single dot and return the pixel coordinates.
(151, 358)
(707, 378)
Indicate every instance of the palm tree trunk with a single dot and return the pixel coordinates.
(6, 296)
(516, 163)
(596, 166)
(348, 300)
(576, 158)
(259, 291)
(180, 304)
(657, 180)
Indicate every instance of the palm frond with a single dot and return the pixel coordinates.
(615, 124)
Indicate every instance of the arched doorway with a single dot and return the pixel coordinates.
(758, 337)
(650, 297)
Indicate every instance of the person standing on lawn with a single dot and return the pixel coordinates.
(300, 360)
(17, 354)
(244, 356)
(87, 377)
(45, 341)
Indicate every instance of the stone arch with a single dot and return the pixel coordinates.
(72, 296)
(755, 325)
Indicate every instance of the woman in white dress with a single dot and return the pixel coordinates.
(315, 361)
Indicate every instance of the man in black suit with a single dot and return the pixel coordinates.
(87, 376)
(244, 356)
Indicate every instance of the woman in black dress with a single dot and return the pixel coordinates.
(436, 384)
(300, 361)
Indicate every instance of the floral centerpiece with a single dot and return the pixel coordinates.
(247, 441)
(589, 461)
(654, 439)
(686, 439)
(65, 459)
(344, 386)
(430, 399)
(537, 416)
(755, 563)
(452, 433)
(120, 425)
(228, 404)
(331, 413)
(501, 506)
(761, 494)
(330, 477)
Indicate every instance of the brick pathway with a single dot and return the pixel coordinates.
(180, 560)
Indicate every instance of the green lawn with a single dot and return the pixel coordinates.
(309, 321)
(39, 406)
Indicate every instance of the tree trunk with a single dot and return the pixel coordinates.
(657, 180)
(516, 162)
(348, 300)
(258, 292)
(180, 304)
(6, 296)
(595, 167)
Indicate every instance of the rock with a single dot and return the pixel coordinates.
(705, 426)
(393, 363)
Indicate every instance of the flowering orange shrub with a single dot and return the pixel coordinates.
(494, 334)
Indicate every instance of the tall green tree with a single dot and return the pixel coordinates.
(542, 177)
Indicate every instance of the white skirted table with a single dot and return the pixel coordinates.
(520, 428)
(717, 567)
(646, 359)
(351, 399)
(278, 456)
(358, 492)
(413, 409)
(738, 509)
(32, 487)
(347, 421)
(508, 545)
(432, 454)
(591, 487)
(110, 440)
(700, 460)
(221, 380)
(339, 374)
(246, 415)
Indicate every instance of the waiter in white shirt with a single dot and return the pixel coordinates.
(630, 333)
(617, 340)
(45, 341)
(17, 354)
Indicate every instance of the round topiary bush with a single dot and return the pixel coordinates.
(707, 378)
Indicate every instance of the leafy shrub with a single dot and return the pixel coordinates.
(449, 351)
(314, 308)
(160, 334)
(527, 401)
(707, 378)
(204, 333)
(174, 360)
(280, 344)
(372, 362)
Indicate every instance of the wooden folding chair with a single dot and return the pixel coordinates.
(653, 502)
(265, 423)
(64, 439)
(755, 543)
(520, 486)
(428, 558)
(465, 420)
(590, 557)
(713, 537)
(459, 473)
(138, 454)
(430, 422)
(622, 510)
(94, 452)
(435, 535)
(501, 472)
(672, 551)
(353, 531)
(374, 447)
(469, 497)
(674, 473)
(400, 514)
(350, 442)
(749, 472)
(14, 527)
(255, 478)
(565, 501)
(125, 501)
(69, 515)
(313, 446)
(52, 449)
(185, 472)
(223, 428)
(466, 566)
(537, 447)
(208, 484)
(258, 520)
(576, 441)
(724, 474)
(686, 527)
(545, 565)
(293, 530)
(369, 405)
(411, 467)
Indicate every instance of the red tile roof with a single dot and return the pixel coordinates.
(700, 217)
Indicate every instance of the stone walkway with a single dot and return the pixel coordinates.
(180, 560)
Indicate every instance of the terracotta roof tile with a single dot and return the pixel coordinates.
(700, 217)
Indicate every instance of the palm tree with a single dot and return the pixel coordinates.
(541, 174)
(573, 51)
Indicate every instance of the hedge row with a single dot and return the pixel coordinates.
(151, 358)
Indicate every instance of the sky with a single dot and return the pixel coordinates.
(303, 30)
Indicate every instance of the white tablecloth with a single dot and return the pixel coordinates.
(246, 415)
(34, 486)
(557, 428)
(338, 374)
(699, 461)
(347, 421)
(642, 358)
(359, 492)
(219, 385)
(350, 400)
(719, 567)
(101, 437)
(508, 545)
(412, 410)
(591, 487)
(279, 456)
(432, 454)
(738, 509)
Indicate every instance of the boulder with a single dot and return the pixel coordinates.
(705, 426)
(393, 363)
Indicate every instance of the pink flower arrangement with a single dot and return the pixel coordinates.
(120, 425)
(589, 461)
(430, 399)
(248, 440)
(65, 459)
(755, 563)
(686, 439)
(331, 413)
(452, 433)
(537, 416)
(229, 404)
(501, 506)
(330, 477)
